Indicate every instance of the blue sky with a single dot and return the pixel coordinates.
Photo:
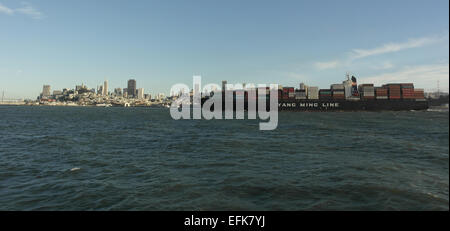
(160, 43)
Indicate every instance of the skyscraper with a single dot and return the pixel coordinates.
(140, 93)
(105, 88)
(99, 90)
(125, 92)
(131, 88)
(118, 91)
(46, 90)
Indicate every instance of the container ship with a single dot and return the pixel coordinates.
(347, 96)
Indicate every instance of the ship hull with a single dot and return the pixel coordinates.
(345, 105)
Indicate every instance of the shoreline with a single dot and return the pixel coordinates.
(47, 105)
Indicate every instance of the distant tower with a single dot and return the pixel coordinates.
(105, 88)
(3, 95)
(302, 86)
(118, 91)
(140, 93)
(99, 90)
(125, 92)
(131, 88)
(46, 90)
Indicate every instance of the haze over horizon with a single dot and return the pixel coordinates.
(161, 43)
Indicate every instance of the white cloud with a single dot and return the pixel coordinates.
(394, 47)
(383, 49)
(425, 76)
(387, 65)
(26, 9)
(326, 65)
(29, 10)
(5, 10)
(382, 66)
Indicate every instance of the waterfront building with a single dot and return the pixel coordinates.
(140, 93)
(99, 90)
(46, 91)
(105, 88)
(118, 92)
(131, 88)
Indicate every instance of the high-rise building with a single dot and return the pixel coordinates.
(105, 88)
(99, 90)
(46, 90)
(118, 91)
(131, 88)
(140, 93)
(302, 86)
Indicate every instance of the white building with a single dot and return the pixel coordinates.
(105, 88)
(140, 93)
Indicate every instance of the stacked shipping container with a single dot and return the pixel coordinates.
(393, 91)
(313, 93)
(338, 92)
(381, 93)
(408, 93)
(288, 93)
(325, 94)
(407, 90)
(300, 94)
(419, 94)
(367, 91)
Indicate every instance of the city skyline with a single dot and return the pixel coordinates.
(159, 43)
(102, 90)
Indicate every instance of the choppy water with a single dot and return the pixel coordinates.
(64, 158)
